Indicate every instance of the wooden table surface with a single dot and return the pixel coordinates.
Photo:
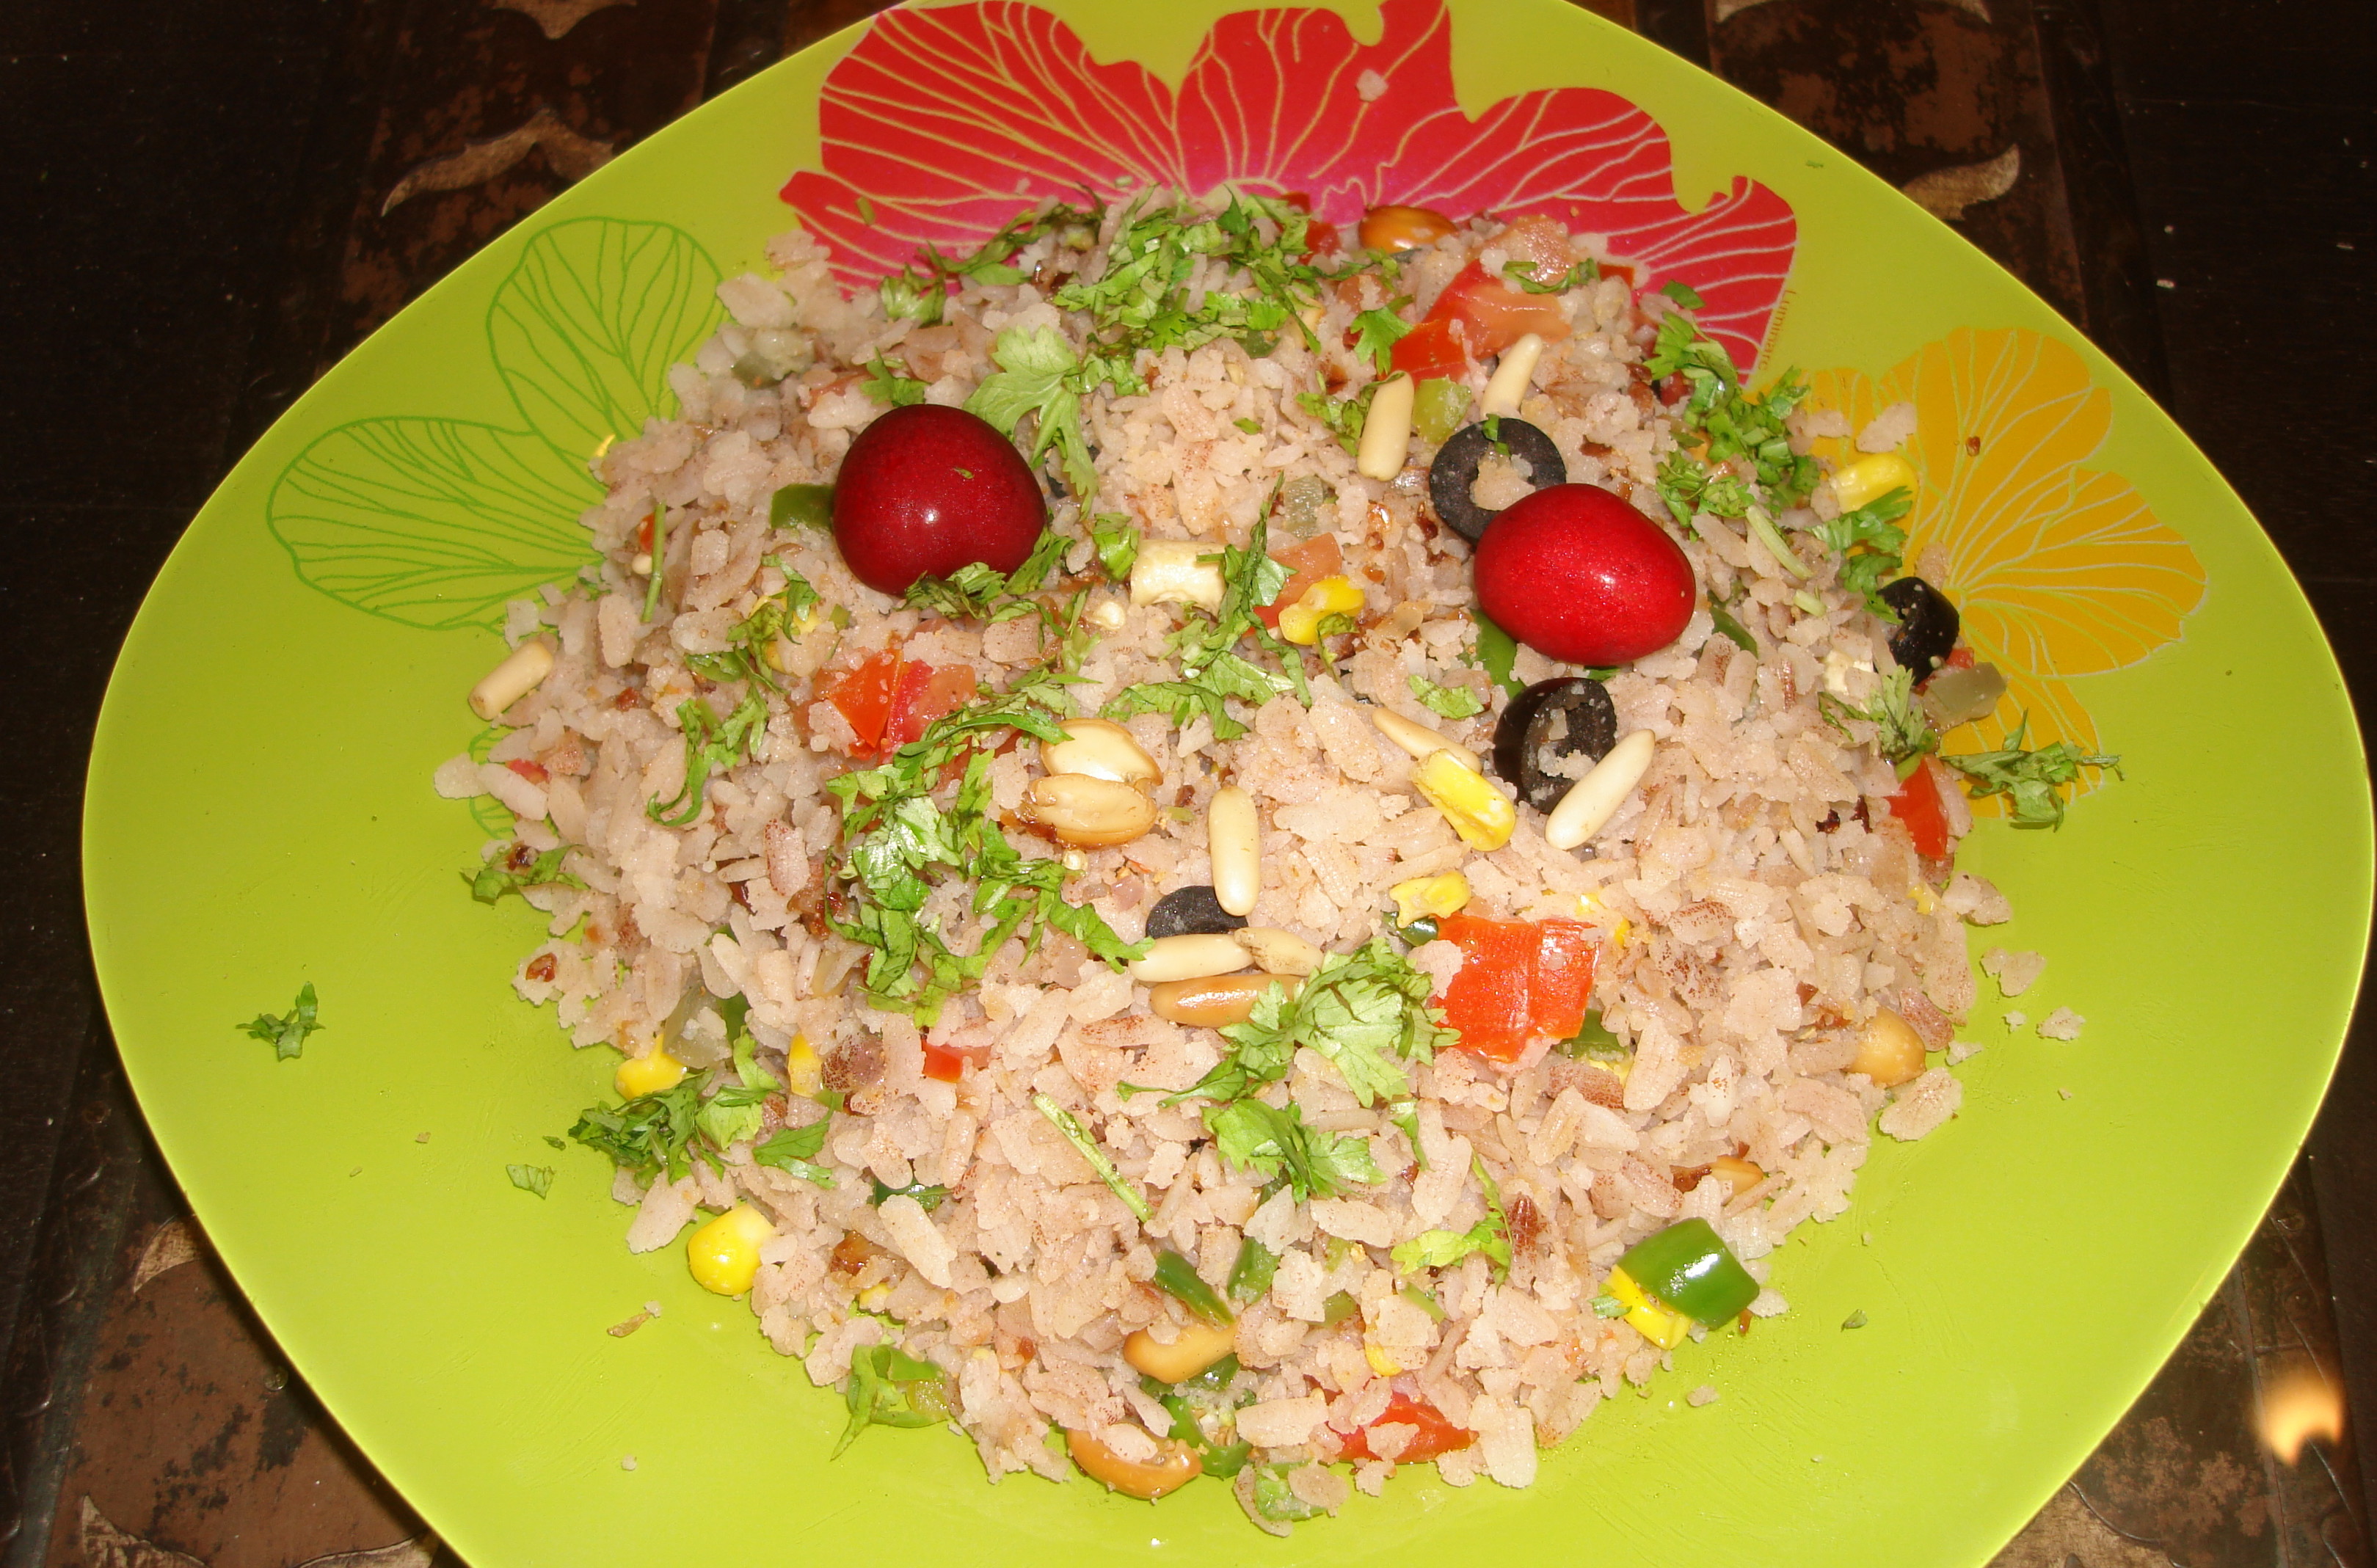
(207, 204)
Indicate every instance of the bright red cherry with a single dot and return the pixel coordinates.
(1578, 576)
(927, 489)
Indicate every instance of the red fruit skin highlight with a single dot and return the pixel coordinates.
(926, 490)
(1578, 575)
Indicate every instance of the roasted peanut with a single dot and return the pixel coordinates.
(1198, 1347)
(1101, 749)
(1401, 227)
(1213, 1002)
(1176, 1467)
(1087, 812)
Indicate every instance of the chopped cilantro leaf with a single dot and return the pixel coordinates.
(794, 1150)
(1523, 273)
(778, 615)
(1901, 732)
(287, 1034)
(1344, 416)
(891, 383)
(1442, 1249)
(498, 877)
(1870, 543)
(1065, 1122)
(1117, 542)
(2030, 780)
(1362, 1011)
(1594, 1041)
(1376, 332)
(1251, 426)
(1449, 702)
(1280, 1144)
(711, 745)
(1039, 375)
(537, 1178)
(1682, 293)
(928, 1197)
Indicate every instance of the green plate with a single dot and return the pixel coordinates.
(259, 816)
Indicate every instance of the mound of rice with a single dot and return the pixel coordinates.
(1754, 903)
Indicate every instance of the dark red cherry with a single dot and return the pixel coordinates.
(926, 490)
(1578, 576)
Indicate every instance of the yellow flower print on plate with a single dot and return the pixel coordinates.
(2060, 570)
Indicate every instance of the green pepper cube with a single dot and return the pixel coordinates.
(1689, 1268)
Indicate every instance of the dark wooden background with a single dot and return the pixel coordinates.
(204, 203)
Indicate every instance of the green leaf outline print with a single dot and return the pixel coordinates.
(435, 522)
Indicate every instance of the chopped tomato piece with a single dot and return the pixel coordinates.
(644, 534)
(863, 695)
(1309, 562)
(1431, 351)
(531, 770)
(1960, 657)
(945, 1063)
(926, 693)
(1494, 314)
(1563, 978)
(1917, 804)
(1488, 1002)
(889, 701)
(1436, 1435)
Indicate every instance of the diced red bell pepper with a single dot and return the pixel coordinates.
(1960, 657)
(1436, 1435)
(1563, 977)
(1489, 1002)
(529, 768)
(1519, 979)
(945, 1063)
(1431, 351)
(1309, 562)
(1917, 804)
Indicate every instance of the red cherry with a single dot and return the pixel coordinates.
(926, 490)
(1578, 576)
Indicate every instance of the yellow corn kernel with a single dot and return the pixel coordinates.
(803, 1074)
(1437, 896)
(875, 1298)
(1662, 1326)
(1868, 478)
(1300, 622)
(1482, 814)
(648, 1074)
(724, 1254)
(1925, 900)
(1380, 1362)
(1618, 936)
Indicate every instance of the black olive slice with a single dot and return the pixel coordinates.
(1549, 721)
(1191, 911)
(1927, 624)
(1455, 469)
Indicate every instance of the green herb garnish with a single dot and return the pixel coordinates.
(2031, 781)
(794, 1150)
(287, 1034)
(497, 876)
(1177, 1277)
(1441, 1248)
(537, 1178)
(1278, 1144)
(1117, 542)
(1065, 1122)
(711, 745)
(1523, 273)
(1902, 734)
(928, 1197)
(1449, 702)
(887, 381)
